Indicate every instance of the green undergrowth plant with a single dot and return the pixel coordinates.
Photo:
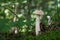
(52, 35)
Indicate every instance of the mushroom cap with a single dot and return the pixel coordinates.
(48, 17)
(39, 12)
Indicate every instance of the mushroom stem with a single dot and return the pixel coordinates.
(37, 25)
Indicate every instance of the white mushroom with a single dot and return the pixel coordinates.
(49, 20)
(39, 14)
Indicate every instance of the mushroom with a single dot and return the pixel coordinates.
(49, 20)
(39, 15)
